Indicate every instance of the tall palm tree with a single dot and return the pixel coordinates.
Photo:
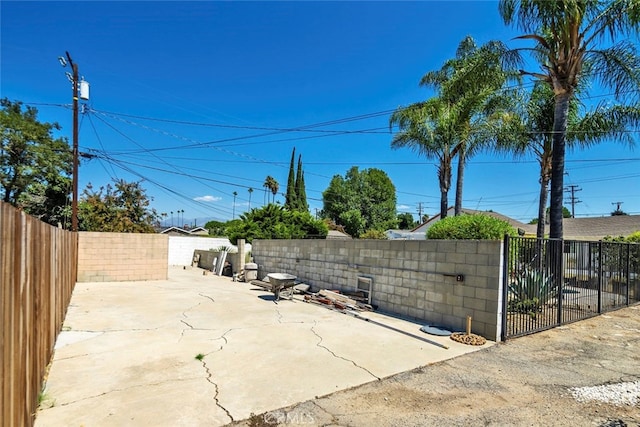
(568, 35)
(429, 128)
(250, 191)
(272, 185)
(530, 131)
(235, 194)
(470, 82)
(265, 185)
(461, 118)
(274, 189)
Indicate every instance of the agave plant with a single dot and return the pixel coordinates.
(223, 248)
(529, 291)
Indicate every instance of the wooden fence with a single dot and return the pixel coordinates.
(38, 271)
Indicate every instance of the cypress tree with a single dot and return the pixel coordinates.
(291, 197)
(301, 193)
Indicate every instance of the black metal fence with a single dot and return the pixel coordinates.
(550, 282)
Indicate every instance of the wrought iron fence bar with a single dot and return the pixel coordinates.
(600, 281)
(551, 282)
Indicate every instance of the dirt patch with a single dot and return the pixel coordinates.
(525, 381)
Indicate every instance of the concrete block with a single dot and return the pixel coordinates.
(487, 294)
(434, 297)
(410, 265)
(415, 313)
(474, 304)
(467, 247)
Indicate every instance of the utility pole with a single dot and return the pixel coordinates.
(618, 211)
(573, 189)
(84, 94)
(74, 200)
(420, 212)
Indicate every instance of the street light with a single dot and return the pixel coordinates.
(84, 94)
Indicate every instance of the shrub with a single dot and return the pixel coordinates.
(374, 234)
(274, 222)
(471, 227)
(633, 237)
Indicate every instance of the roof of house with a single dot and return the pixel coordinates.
(594, 228)
(182, 231)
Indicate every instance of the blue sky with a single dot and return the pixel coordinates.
(201, 99)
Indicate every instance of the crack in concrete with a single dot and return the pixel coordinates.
(319, 344)
(122, 389)
(186, 323)
(207, 297)
(210, 374)
(223, 336)
(185, 316)
(279, 315)
(215, 396)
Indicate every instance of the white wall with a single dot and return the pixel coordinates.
(181, 247)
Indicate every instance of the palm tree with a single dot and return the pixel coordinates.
(567, 36)
(272, 185)
(470, 82)
(274, 189)
(531, 125)
(461, 118)
(235, 194)
(429, 128)
(250, 191)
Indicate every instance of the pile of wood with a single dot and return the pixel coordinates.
(337, 300)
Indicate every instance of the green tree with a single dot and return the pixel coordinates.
(35, 167)
(301, 192)
(275, 222)
(216, 228)
(122, 208)
(569, 37)
(296, 196)
(405, 221)
(291, 198)
(360, 201)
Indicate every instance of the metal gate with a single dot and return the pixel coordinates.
(550, 282)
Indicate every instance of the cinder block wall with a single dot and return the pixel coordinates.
(413, 279)
(112, 257)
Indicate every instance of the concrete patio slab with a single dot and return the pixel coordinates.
(203, 350)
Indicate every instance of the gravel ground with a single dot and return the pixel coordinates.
(583, 374)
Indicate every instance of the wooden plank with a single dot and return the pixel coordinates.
(334, 296)
(38, 271)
